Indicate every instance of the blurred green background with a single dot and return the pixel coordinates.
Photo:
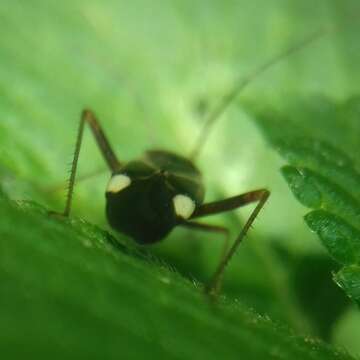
(151, 71)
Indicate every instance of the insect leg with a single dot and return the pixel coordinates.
(211, 228)
(229, 204)
(215, 229)
(205, 227)
(104, 145)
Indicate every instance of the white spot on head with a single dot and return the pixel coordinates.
(117, 183)
(184, 206)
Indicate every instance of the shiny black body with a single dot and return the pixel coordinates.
(144, 210)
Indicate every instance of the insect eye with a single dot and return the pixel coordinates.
(117, 183)
(184, 206)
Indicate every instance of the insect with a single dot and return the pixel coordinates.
(147, 197)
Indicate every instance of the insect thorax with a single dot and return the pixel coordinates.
(147, 197)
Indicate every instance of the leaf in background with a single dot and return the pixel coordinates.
(314, 287)
(320, 140)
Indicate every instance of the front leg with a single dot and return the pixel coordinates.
(104, 146)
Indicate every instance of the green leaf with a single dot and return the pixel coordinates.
(341, 240)
(349, 279)
(68, 293)
(323, 175)
(150, 73)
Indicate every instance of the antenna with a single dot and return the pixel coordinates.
(241, 83)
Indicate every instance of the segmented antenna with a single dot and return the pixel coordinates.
(241, 83)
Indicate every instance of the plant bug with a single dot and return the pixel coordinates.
(147, 197)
